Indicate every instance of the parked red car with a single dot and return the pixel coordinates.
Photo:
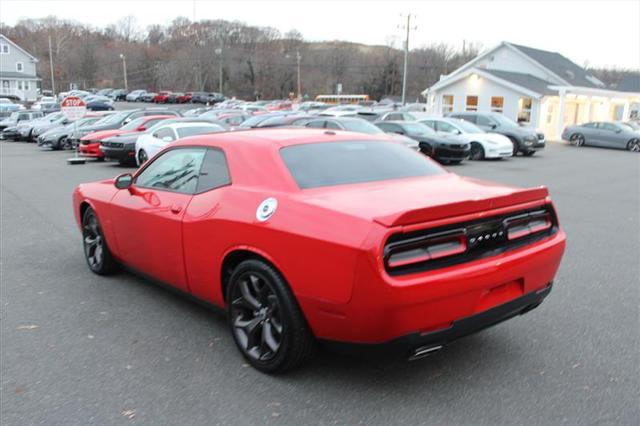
(306, 235)
(90, 144)
(186, 98)
(161, 97)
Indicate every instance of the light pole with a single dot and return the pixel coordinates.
(124, 71)
(219, 53)
(299, 58)
(53, 83)
(406, 59)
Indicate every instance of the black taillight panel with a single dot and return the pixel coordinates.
(429, 249)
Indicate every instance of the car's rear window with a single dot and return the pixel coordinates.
(341, 163)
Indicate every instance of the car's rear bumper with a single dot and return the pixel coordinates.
(498, 152)
(416, 345)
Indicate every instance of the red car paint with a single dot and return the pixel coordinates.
(327, 242)
(186, 98)
(90, 144)
(161, 97)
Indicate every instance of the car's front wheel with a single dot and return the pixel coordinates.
(96, 251)
(477, 152)
(265, 319)
(142, 157)
(634, 145)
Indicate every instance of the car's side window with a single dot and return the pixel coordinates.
(176, 170)
(610, 127)
(165, 132)
(483, 121)
(430, 123)
(332, 125)
(318, 124)
(214, 172)
(443, 126)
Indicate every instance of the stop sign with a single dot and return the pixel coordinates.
(73, 107)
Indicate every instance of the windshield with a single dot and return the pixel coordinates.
(362, 127)
(342, 163)
(503, 120)
(134, 124)
(82, 122)
(114, 118)
(198, 130)
(467, 127)
(417, 129)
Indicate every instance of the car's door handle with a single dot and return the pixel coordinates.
(176, 209)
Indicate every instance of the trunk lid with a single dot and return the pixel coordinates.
(415, 200)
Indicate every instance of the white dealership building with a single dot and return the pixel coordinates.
(544, 89)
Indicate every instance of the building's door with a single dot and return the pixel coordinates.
(6, 88)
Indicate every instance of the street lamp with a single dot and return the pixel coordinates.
(124, 71)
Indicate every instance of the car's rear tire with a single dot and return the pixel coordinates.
(477, 152)
(528, 153)
(577, 140)
(265, 320)
(96, 252)
(634, 145)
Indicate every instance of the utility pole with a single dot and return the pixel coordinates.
(124, 71)
(219, 53)
(406, 59)
(299, 58)
(53, 84)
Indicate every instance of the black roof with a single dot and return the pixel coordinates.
(629, 82)
(561, 66)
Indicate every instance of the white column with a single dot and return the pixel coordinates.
(560, 117)
(587, 110)
(625, 111)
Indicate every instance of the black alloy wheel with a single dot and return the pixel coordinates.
(577, 139)
(634, 145)
(265, 320)
(477, 152)
(142, 157)
(96, 251)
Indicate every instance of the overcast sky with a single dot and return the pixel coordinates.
(602, 33)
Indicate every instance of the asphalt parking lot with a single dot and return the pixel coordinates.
(81, 349)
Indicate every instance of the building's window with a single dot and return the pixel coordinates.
(26, 85)
(472, 103)
(4, 49)
(19, 85)
(524, 110)
(447, 103)
(550, 114)
(19, 66)
(497, 104)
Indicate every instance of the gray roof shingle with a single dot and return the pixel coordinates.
(561, 66)
(527, 81)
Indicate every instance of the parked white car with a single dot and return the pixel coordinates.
(483, 144)
(149, 144)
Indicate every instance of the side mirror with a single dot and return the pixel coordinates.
(126, 121)
(123, 181)
(457, 132)
(141, 128)
(399, 132)
(618, 130)
(167, 139)
(493, 126)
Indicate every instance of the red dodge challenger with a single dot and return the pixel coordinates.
(311, 235)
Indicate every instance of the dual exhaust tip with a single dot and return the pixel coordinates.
(423, 351)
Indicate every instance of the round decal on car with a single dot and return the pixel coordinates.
(266, 209)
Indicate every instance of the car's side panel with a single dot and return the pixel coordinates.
(148, 228)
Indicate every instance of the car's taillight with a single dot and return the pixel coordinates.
(425, 248)
(527, 224)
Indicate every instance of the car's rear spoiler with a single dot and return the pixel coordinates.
(462, 207)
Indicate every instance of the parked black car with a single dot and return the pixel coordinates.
(118, 95)
(524, 139)
(444, 148)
